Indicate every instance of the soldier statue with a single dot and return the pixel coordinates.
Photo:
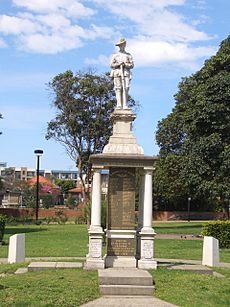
(121, 64)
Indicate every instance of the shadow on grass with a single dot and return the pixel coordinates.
(178, 227)
(16, 230)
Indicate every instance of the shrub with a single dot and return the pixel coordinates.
(219, 230)
(47, 200)
(61, 217)
(3, 220)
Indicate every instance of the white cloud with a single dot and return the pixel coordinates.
(17, 25)
(153, 18)
(162, 35)
(71, 8)
(50, 27)
(48, 44)
(54, 21)
(148, 53)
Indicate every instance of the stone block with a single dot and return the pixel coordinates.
(16, 252)
(210, 252)
(35, 266)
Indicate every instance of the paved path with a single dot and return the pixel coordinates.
(128, 301)
(161, 261)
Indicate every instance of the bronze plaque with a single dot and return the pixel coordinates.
(121, 198)
(120, 247)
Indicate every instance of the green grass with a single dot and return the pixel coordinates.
(184, 249)
(50, 240)
(72, 240)
(49, 288)
(73, 287)
(185, 228)
(188, 289)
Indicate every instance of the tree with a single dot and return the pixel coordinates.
(65, 185)
(83, 103)
(194, 138)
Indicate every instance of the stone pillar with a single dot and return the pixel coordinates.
(96, 201)
(16, 251)
(210, 252)
(140, 215)
(147, 233)
(94, 259)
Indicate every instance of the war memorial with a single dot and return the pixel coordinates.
(127, 246)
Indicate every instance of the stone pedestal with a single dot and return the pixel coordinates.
(94, 259)
(16, 251)
(146, 260)
(210, 252)
(123, 141)
(120, 249)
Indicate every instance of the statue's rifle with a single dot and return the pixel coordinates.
(123, 86)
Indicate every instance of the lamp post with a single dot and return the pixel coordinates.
(189, 205)
(38, 153)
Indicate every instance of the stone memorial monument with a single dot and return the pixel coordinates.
(124, 158)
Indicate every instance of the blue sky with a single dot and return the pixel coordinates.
(168, 39)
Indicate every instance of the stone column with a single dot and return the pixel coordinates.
(147, 233)
(140, 214)
(94, 259)
(96, 201)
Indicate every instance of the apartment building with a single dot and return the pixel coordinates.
(25, 173)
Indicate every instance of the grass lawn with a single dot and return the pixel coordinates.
(188, 289)
(178, 227)
(73, 287)
(184, 249)
(50, 240)
(66, 287)
(71, 241)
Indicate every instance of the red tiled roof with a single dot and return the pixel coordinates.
(42, 180)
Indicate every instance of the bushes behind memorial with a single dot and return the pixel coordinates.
(3, 219)
(219, 230)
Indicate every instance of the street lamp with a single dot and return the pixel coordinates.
(38, 153)
(189, 206)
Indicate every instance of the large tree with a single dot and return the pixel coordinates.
(194, 138)
(83, 103)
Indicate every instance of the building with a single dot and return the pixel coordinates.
(25, 173)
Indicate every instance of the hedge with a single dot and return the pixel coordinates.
(3, 220)
(219, 230)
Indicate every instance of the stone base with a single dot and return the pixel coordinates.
(120, 262)
(94, 259)
(123, 141)
(147, 264)
(94, 264)
(146, 252)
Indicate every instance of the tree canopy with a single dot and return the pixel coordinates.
(83, 103)
(194, 138)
